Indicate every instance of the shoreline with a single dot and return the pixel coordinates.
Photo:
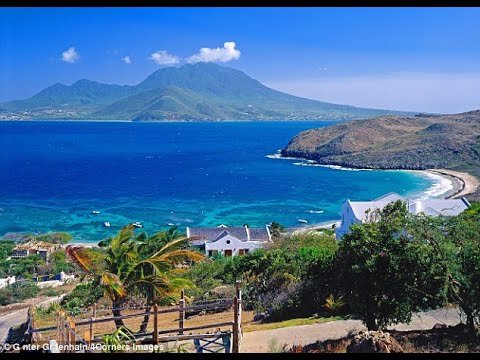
(466, 183)
(460, 183)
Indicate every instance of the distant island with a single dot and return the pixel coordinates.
(198, 92)
(417, 142)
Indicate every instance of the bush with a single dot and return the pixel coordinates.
(55, 237)
(83, 296)
(24, 267)
(60, 262)
(371, 263)
(17, 292)
(6, 248)
(464, 278)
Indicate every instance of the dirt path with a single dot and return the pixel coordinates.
(261, 341)
(18, 317)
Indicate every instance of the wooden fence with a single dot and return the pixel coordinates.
(67, 334)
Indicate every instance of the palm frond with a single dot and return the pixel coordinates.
(177, 256)
(81, 257)
(113, 285)
(172, 245)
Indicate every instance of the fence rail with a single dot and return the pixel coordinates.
(66, 327)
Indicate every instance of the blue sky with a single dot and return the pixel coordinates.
(419, 59)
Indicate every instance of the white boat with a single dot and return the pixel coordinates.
(106, 224)
(137, 224)
(171, 224)
(303, 221)
(95, 212)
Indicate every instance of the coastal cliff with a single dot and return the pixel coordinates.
(396, 142)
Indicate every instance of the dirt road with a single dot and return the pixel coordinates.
(19, 316)
(264, 340)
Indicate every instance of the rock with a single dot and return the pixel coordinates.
(260, 316)
(374, 342)
(222, 292)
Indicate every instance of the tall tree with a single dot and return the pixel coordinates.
(123, 271)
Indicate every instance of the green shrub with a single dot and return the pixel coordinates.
(83, 296)
(464, 231)
(17, 292)
(371, 263)
(55, 237)
(24, 267)
(60, 262)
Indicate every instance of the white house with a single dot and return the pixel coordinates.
(228, 241)
(360, 211)
(9, 280)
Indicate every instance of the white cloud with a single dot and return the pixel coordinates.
(226, 53)
(409, 91)
(127, 59)
(162, 57)
(70, 55)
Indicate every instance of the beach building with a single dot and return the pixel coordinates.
(362, 211)
(229, 241)
(34, 247)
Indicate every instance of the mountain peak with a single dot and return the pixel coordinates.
(199, 91)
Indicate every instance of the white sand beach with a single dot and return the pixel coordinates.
(462, 183)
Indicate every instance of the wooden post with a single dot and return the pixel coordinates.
(155, 324)
(71, 331)
(31, 321)
(86, 336)
(60, 328)
(237, 310)
(238, 292)
(94, 314)
(181, 313)
(67, 333)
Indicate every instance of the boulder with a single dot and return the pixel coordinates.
(374, 342)
(260, 316)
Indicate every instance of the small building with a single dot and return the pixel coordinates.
(9, 280)
(363, 211)
(229, 241)
(34, 247)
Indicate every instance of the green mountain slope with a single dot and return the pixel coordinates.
(203, 91)
(83, 93)
(395, 142)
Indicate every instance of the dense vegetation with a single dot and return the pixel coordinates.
(55, 237)
(291, 279)
(363, 275)
(137, 265)
(18, 292)
(308, 274)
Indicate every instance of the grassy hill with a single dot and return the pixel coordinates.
(396, 142)
(202, 91)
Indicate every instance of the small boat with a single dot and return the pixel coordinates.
(137, 224)
(95, 212)
(171, 224)
(303, 221)
(106, 224)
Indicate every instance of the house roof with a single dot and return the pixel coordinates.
(35, 245)
(243, 233)
(436, 207)
(432, 207)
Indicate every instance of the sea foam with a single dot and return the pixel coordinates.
(441, 186)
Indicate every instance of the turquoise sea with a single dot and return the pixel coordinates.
(54, 174)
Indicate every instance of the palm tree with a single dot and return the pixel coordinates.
(122, 270)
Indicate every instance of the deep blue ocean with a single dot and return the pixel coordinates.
(53, 174)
